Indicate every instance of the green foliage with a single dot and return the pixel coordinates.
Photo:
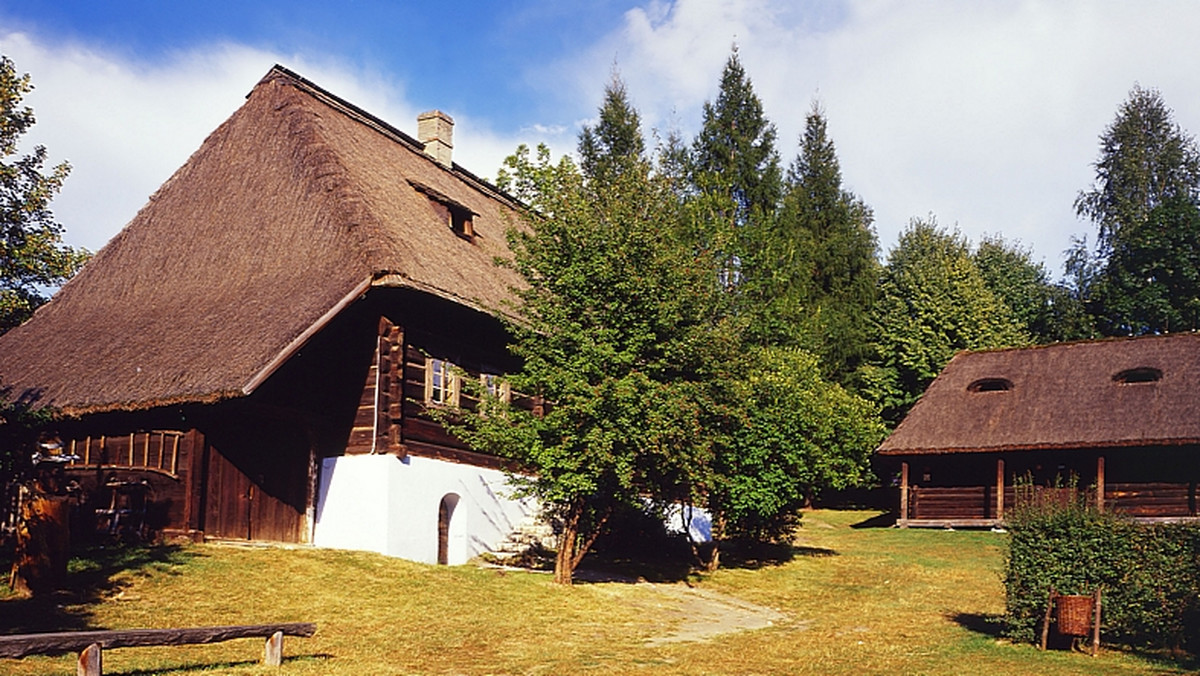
(1047, 310)
(819, 268)
(32, 256)
(933, 303)
(615, 333)
(1149, 575)
(615, 143)
(799, 435)
(734, 160)
(1142, 276)
(1151, 283)
(20, 422)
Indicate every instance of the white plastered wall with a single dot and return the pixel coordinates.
(384, 504)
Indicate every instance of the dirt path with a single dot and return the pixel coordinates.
(705, 614)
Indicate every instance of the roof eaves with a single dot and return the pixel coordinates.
(299, 341)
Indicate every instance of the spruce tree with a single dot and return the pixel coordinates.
(823, 254)
(615, 143)
(734, 159)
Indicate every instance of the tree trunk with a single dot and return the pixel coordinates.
(43, 543)
(563, 560)
(718, 534)
(573, 545)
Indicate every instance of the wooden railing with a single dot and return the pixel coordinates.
(89, 644)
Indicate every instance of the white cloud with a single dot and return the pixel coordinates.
(986, 114)
(126, 126)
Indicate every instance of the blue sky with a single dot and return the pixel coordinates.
(984, 114)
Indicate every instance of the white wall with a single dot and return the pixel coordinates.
(383, 504)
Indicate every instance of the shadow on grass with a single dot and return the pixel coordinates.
(211, 666)
(92, 576)
(987, 624)
(681, 567)
(992, 626)
(885, 520)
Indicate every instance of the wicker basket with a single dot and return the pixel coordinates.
(1074, 615)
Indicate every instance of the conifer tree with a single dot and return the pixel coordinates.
(734, 159)
(615, 143)
(822, 254)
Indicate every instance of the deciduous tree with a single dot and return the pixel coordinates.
(1047, 310)
(32, 255)
(613, 333)
(1139, 277)
(933, 302)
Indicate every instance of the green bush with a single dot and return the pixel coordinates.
(1149, 575)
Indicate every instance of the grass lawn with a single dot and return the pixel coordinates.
(855, 601)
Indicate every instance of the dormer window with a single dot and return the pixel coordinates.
(458, 217)
(1141, 374)
(990, 385)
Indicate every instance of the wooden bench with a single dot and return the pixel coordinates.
(90, 643)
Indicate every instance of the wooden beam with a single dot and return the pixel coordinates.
(1100, 484)
(903, 493)
(1000, 489)
(59, 643)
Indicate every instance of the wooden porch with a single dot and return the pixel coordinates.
(987, 506)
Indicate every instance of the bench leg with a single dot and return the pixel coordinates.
(273, 655)
(90, 662)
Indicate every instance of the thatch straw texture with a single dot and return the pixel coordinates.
(1061, 396)
(287, 212)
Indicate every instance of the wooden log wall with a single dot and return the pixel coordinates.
(378, 421)
(1152, 499)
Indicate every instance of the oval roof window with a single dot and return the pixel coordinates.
(990, 385)
(1141, 374)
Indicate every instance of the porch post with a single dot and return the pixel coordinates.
(903, 494)
(999, 489)
(1100, 484)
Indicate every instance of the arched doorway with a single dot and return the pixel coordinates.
(445, 518)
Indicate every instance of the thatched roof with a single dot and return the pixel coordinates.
(1071, 396)
(288, 212)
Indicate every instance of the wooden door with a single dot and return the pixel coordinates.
(229, 493)
(244, 502)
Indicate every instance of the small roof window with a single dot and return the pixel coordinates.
(1141, 374)
(456, 215)
(990, 385)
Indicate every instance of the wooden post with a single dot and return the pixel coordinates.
(999, 490)
(1096, 624)
(311, 487)
(903, 494)
(1100, 484)
(1046, 619)
(90, 661)
(273, 654)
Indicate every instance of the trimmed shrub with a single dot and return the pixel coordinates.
(1150, 575)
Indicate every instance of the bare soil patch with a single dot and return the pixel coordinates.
(705, 614)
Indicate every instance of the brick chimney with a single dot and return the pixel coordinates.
(435, 129)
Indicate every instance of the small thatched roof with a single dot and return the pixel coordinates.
(1108, 393)
(288, 212)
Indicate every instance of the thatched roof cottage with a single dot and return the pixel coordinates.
(256, 349)
(1119, 416)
